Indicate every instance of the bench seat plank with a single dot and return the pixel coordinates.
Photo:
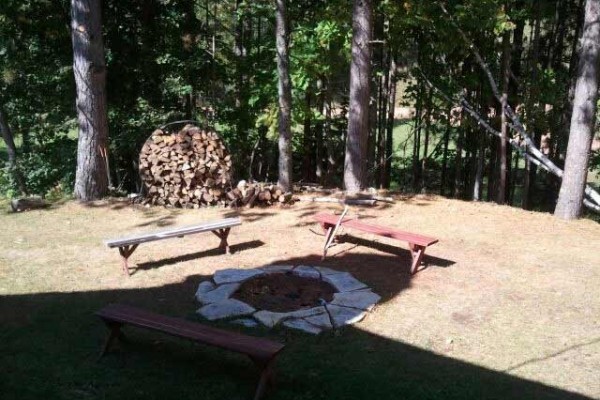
(176, 232)
(417, 243)
(259, 348)
(261, 351)
(127, 245)
(417, 239)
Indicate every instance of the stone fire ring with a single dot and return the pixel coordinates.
(350, 304)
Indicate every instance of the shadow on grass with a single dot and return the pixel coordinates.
(253, 244)
(50, 343)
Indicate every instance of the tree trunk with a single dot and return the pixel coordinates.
(445, 153)
(307, 140)
(91, 179)
(11, 150)
(360, 79)
(583, 118)
(502, 148)
(389, 141)
(285, 97)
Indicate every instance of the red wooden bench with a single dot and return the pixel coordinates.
(416, 243)
(261, 351)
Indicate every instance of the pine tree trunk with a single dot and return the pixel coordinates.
(360, 79)
(530, 168)
(583, 118)
(502, 148)
(391, 108)
(444, 177)
(307, 140)
(285, 97)
(11, 150)
(91, 179)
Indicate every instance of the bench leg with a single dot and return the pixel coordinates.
(417, 252)
(223, 234)
(125, 252)
(266, 376)
(115, 332)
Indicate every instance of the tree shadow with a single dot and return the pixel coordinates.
(235, 248)
(50, 343)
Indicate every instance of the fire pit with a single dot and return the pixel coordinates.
(302, 297)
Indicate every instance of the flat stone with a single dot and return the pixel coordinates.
(306, 271)
(225, 309)
(362, 299)
(322, 321)
(231, 275)
(270, 318)
(222, 292)
(344, 315)
(344, 282)
(270, 269)
(302, 325)
(247, 322)
(203, 288)
(327, 271)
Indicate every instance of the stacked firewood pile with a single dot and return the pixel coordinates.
(188, 168)
(251, 194)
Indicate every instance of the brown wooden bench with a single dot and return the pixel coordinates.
(261, 351)
(127, 245)
(416, 243)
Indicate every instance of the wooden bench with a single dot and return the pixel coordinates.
(261, 351)
(127, 245)
(416, 243)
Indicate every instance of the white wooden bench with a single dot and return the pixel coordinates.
(127, 245)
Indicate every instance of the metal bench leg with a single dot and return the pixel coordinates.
(266, 376)
(417, 252)
(125, 252)
(115, 332)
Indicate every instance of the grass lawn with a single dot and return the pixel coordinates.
(507, 307)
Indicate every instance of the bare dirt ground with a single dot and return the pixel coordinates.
(508, 290)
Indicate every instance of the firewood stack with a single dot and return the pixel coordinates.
(253, 194)
(189, 168)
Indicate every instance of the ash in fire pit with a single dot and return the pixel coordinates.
(302, 297)
(284, 292)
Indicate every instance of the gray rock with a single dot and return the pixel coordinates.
(302, 325)
(225, 309)
(362, 299)
(345, 316)
(235, 275)
(270, 269)
(222, 292)
(327, 271)
(321, 320)
(344, 282)
(306, 271)
(270, 319)
(203, 288)
(248, 322)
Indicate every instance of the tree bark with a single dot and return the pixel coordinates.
(11, 150)
(91, 180)
(389, 141)
(570, 198)
(360, 79)
(285, 96)
(502, 148)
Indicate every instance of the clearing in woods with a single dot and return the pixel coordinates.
(508, 305)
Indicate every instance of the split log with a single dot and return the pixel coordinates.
(187, 168)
